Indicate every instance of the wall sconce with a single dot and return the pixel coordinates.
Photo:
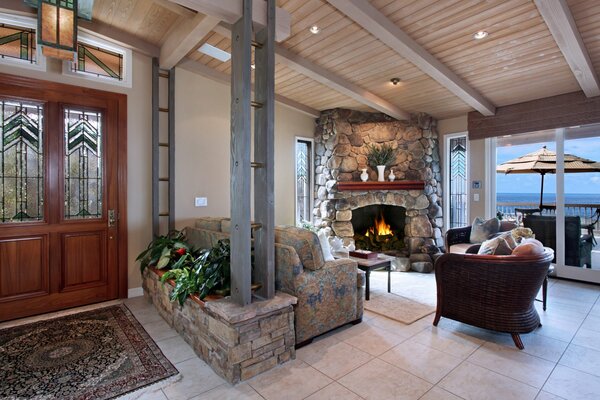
(57, 28)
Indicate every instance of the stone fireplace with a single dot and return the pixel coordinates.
(341, 141)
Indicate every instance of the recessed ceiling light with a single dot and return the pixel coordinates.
(395, 81)
(214, 52)
(480, 35)
(315, 29)
(253, 66)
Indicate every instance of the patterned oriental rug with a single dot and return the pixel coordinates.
(98, 354)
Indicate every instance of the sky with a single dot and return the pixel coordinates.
(582, 183)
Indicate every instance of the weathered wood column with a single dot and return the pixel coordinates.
(264, 175)
(263, 163)
(241, 135)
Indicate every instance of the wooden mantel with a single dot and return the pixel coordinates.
(376, 185)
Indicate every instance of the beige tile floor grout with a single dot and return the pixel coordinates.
(381, 359)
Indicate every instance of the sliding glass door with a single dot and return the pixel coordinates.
(562, 165)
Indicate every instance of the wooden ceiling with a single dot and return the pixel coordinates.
(517, 62)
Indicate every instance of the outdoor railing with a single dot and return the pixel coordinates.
(585, 211)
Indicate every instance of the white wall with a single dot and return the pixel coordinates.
(203, 154)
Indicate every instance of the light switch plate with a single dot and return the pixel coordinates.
(201, 202)
(475, 196)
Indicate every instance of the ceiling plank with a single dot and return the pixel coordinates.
(327, 78)
(231, 10)
(185, 38)
(562, 25)
(176, 8)
(101, 29)
(201, 69)
(367, 16)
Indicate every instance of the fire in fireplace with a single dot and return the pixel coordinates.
(379, 228)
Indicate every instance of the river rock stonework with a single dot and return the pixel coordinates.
(341, 140)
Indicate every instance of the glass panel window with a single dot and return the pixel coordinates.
(98, 61)
(21, 162)
(83, 164)
(17, 43)
(303, 180)
(458, 182)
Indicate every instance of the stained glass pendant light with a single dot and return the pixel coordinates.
(57, 28)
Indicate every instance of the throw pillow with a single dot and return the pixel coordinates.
(528, 249)
(519, 233)
(325, 248)
(481, 229)
(496, 246)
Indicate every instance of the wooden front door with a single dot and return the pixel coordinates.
(61, 211)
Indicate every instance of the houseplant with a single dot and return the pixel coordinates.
(194, 271)
(380, 156)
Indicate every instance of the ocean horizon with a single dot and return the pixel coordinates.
(549, 198)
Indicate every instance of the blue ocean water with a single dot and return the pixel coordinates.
(549, 198)
(532, 200)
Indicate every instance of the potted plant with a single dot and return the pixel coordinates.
(164, 251)
(380, 156)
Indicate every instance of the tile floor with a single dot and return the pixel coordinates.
(382, 359)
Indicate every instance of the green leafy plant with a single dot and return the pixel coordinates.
(382, 154)
(164, 251)
(307, 225)
(207, 272)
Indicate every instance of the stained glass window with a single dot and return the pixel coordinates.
(98, 61)
(458, 182)
(21, 162)
(17, 43)
(303, 181)
(83, 164)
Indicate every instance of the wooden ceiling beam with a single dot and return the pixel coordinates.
(101, 29)
(185, 38)
(231, 10)
(204, 70)
(368, 17)
(329, 79)
(560, 21)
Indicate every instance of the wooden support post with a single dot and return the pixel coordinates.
(171, 149)
(241, 135)
(264, 89)
(155, 150)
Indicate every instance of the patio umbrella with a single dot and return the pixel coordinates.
(543, 161)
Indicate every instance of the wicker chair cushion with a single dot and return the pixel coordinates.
(496, 246)
(510, 240)
(519, 233)
(482, 229)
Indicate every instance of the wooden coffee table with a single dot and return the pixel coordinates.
(381, 262)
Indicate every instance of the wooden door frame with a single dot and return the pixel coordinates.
(29, 89)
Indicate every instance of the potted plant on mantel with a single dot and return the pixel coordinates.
(380, 156)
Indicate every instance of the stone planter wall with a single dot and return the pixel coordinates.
(237, 342)
(341, 141)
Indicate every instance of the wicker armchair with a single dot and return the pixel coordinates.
(578, 247)
(457, 240)
(491, 292)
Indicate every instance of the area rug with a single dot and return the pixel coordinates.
(98, 354)
(398, 308)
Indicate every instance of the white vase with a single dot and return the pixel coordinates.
(391, 176)
(380, 172)
(364, 176)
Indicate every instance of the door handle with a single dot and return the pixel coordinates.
(112, 218)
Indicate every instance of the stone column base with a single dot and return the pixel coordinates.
(237, 342)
